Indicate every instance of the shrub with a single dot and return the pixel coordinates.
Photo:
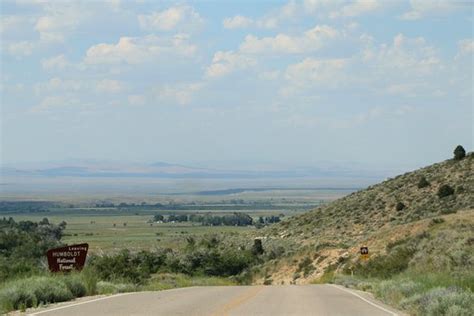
(396, 290)
(400, 206)
(423, 183)
(396, 261)
(460, 189)
(30, 292)
(257, 248)
(267, 281)
(49, 290)
(89, 277)
(104, 287)
(445, 190)
(441, 301)
(435, 221)
(459, 153)
(306, 266)
(75, 284)
(16, 296)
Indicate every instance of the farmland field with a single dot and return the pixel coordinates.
(114, 224)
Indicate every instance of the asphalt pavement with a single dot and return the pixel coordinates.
(228, 300)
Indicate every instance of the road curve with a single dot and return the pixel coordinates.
(229, 300)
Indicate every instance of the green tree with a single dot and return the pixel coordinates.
(423, 183)
(158, 217)
(257, 248)
(445, 190)
(400, 206)
(459, 153)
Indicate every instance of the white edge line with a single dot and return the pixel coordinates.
(80, 303)
(364, 299)
(102, 298)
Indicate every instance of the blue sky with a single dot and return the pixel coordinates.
(236, 83)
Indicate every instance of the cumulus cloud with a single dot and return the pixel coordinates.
(237, 21)
(57, 62)
(59, 20)
(226, 62)
(270, 20)
(21, 49)
(12, 22)
(136, 50)
(52, 103)
(465, 47)
(171, 19)
(309, 41)
(422, 8)
(413, 56)
(357, 8)
(58, 85)
(314, 6)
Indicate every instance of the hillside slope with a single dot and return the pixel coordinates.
(303, 248)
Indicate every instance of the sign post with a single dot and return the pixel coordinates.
(364, 253)
(68, 258)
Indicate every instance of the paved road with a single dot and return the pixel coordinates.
(229, 300)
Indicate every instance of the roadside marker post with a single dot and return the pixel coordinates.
(364, 253)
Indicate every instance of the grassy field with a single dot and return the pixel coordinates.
(111, 229)
(137, 234)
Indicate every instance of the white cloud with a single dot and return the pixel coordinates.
(237, 21)
(21, 49)
(109, 86)
(136, 50)
(60, 20)
(57, 84)
(271, 20)
(180, 93)
(12, 22)
(412, 56)
(52, 103)
(312, 40)
(465, 47)
(57, 62)
(315, 6)
(422, 8)
(224, 63)
(170, 19)
(357, 8)
(275, 17)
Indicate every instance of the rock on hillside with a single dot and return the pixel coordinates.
(301, 248)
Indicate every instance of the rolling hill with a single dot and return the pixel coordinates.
(405, 220)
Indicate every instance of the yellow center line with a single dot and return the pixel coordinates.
(237, 301)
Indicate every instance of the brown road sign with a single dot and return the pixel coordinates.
(364, 253)
(68, 258)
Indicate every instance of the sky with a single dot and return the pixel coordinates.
(235, 83)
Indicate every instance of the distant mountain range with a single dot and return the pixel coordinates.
(107, 169)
